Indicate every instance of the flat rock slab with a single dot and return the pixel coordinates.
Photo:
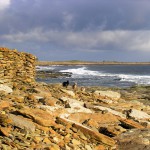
(39, 116)
(5, 88)
(135, 139)
(71, 93)
(4, 104)
(75, 105)
(130, 124)
(93, 118)
(108, 94)
(93, 134)
(110, 110)
(137, 114)
(22, 122)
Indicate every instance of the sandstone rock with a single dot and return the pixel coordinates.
(93, 134)
(137, 114)
(108, 94)
(129, 124)
(39, 116)
(110, 110)
(75, 105)
(5, 120)
(88, 147)
(75, 142)
(5, 131)
(19, 99)
(49, 108)
(5, 88)
(5, 105)
(134, 139)
(94, 119)
(22, 122)
(100, 147)
(51, 101)
(37, 139)
(71, 93)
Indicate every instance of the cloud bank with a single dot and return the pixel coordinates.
(77, 28)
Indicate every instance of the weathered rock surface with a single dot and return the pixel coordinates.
(41, 116)
(137, 114)
(5, 88)
(134, 139)
(108, 94)
(21, 122)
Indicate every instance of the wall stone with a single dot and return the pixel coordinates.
(16, 66)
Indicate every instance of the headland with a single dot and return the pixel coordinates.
(78, 62)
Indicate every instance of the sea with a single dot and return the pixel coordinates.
(101, 75)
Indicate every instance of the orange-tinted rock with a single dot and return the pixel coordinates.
(5, 131)
(131, 124)
(93, 134)
(39, 116)
(23, 123)
(94, 119)
(51, 101)
(100, 147)
(4, 104)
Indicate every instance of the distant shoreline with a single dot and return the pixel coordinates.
(49, 63)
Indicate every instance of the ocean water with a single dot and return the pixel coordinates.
(101, 75)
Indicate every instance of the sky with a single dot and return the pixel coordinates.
(89, 30)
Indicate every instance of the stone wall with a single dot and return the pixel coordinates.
(16, 66)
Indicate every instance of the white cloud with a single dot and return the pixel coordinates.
(98, 40)
(4, 4)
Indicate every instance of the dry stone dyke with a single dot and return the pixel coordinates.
(16, 66)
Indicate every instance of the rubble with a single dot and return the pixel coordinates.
(40, 116)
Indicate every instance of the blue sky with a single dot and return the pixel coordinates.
(94, 30)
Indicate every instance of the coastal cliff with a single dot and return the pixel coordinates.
(40, 116)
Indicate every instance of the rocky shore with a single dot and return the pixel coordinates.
(44, 74)
(40, 116)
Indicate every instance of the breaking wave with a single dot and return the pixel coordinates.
(44, 68)
(83, 72)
